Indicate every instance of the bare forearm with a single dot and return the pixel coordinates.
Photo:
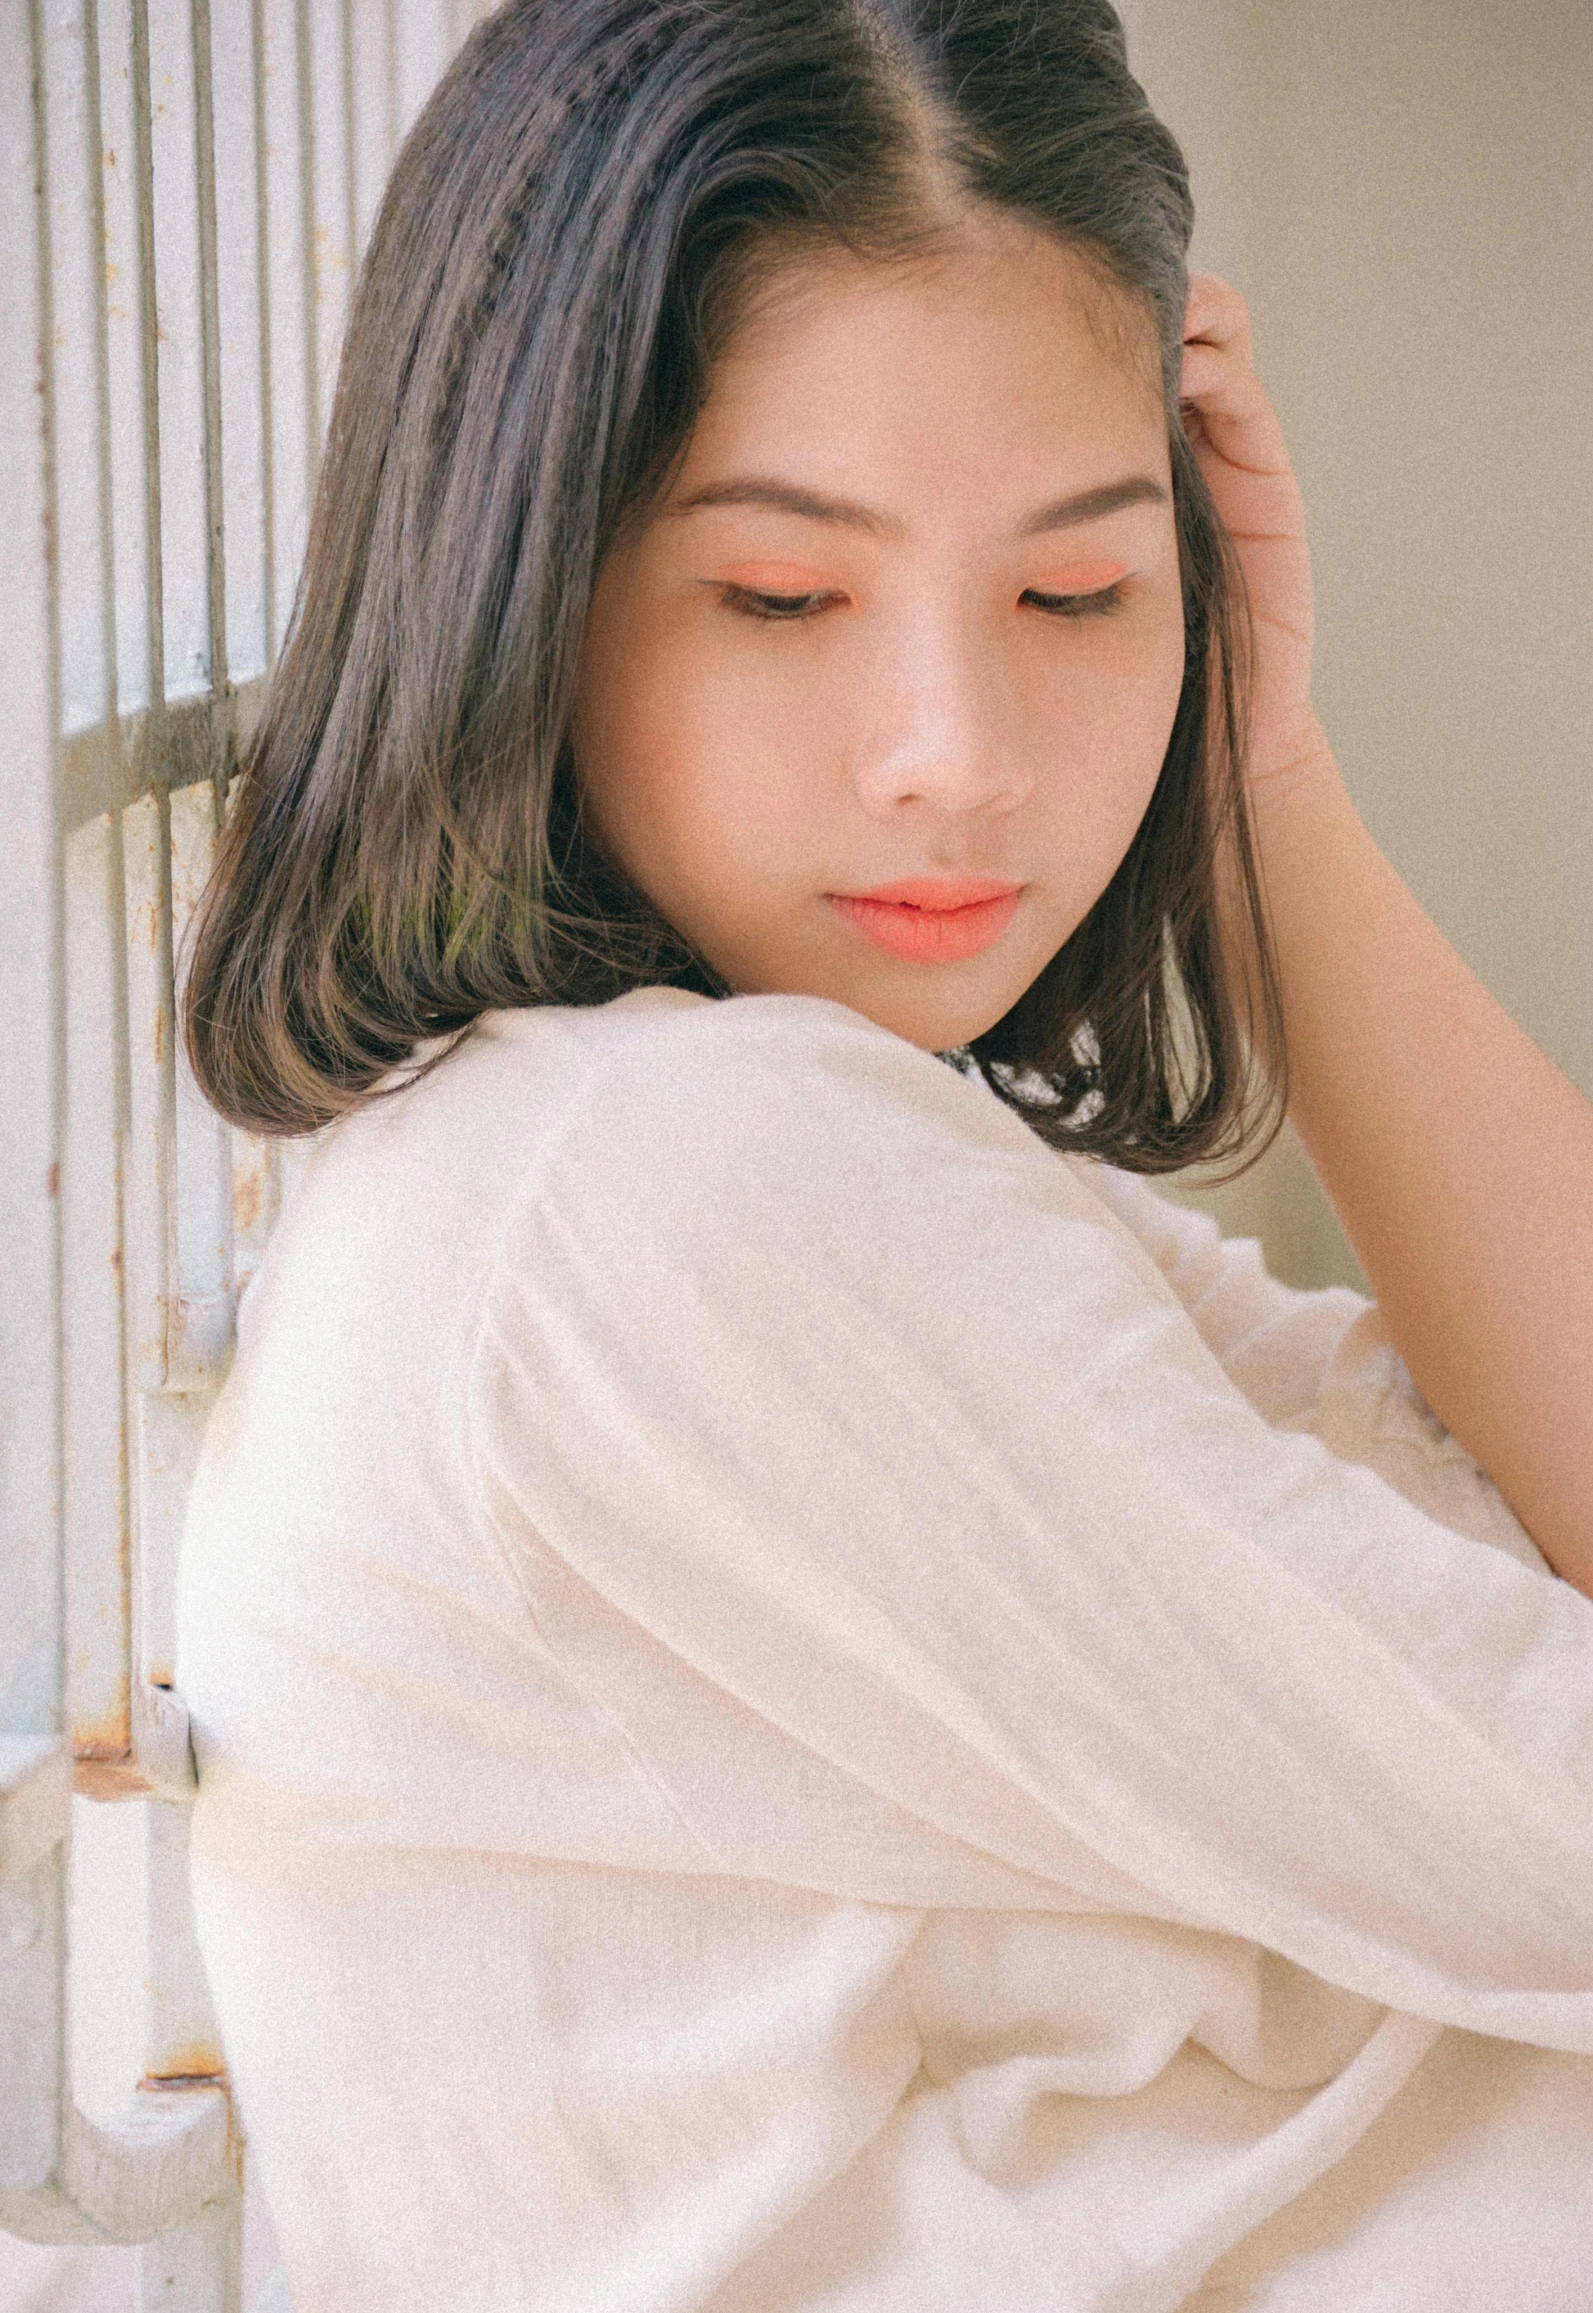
(1458, 1158)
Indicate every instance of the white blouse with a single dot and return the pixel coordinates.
(802, 1704)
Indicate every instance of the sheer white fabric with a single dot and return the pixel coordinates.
(802, 1704)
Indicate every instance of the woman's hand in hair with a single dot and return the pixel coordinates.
(1238, 444)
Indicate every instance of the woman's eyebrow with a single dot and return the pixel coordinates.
(789, 498)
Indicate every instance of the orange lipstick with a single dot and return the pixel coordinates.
(931, 919)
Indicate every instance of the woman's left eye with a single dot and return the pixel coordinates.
(1106, 598)
(775, 606)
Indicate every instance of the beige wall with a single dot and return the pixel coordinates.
(1403, 190)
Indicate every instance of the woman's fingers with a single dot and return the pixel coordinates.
(1216, 314)
(1235, 415)
(1238, 445)
(1219, 379)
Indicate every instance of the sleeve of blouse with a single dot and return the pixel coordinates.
(1272, 1340)
(816, 1365)
(1320, 1361)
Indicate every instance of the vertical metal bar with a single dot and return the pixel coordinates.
(179, 353)
(209, 338)
(148, 330)
(179, 589)
(151, 1088)
(197, 2268)
(32, 1941)
(94, 1472)
(76, 271)
(262, 264)
(98, 1563)
(30, 927)
(288, 350)
(351, 194)
(97, 1603)
(32, 2052)
(199, 1196)
(110, 1547)
(238, 298)
(181, 2041)
(126, 387)
(106, 1942)
(144, 834)
(304, 61)
(331, 189)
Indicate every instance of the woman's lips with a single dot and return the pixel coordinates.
(931, 920)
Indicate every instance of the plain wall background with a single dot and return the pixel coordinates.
(1403, 191)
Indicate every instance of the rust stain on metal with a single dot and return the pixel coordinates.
(196, 2064)
(110, 1735)
(109, 1779)
(247, 1199)
(207, 2075)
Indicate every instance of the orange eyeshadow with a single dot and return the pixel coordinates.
(775, 577)
(1080, 577)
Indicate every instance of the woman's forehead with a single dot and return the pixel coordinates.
(998, 364)
(1032, 301)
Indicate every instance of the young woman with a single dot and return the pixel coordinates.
(806, 1696)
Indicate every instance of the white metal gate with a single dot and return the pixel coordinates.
(184, 188)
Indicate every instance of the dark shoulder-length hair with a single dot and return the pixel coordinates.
(565, 243)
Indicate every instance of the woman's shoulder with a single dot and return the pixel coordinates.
(696, 1118)
(675, 1045)
(708, 1147)
(660, 1095)
(696, 1037)
(791, 1094)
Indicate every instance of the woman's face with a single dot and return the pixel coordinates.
(909, 620)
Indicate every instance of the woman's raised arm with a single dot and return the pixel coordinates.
(1458, 1158)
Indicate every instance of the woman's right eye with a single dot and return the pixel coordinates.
(774, 606)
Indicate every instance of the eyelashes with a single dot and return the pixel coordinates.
(1106, 598)
(773, 606)
(789, 608)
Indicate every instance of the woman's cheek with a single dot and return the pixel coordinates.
(1137, 707)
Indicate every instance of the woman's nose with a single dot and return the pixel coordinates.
(941, 733)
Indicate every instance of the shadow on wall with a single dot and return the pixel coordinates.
(1402, 194)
